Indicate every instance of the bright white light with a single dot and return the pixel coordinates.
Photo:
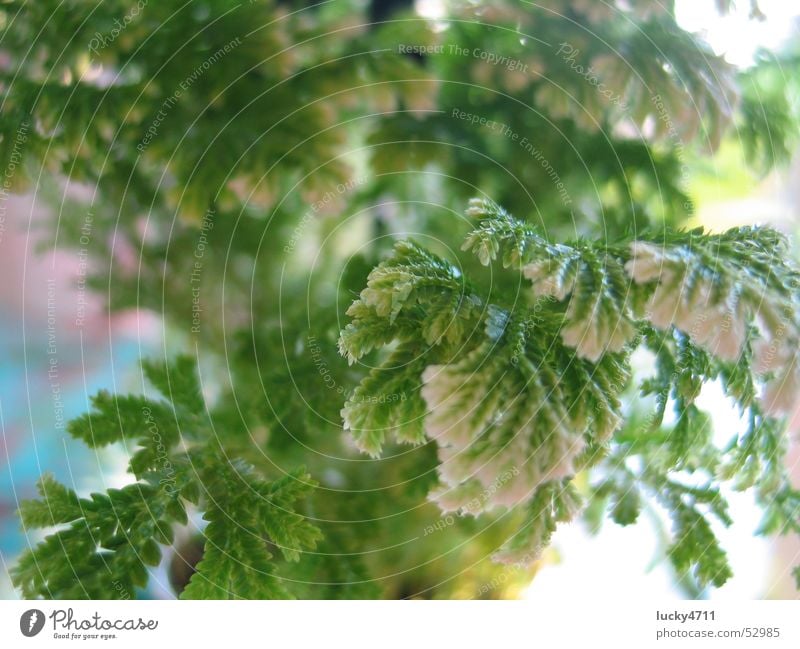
(736, 36)
(430, 8)
(621, 561)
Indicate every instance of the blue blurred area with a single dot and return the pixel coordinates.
(53, 362)
(34, 438)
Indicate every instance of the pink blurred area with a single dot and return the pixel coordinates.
(59, 347)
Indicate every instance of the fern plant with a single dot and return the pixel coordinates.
(521, 396)
(111, 538)
(501, 371)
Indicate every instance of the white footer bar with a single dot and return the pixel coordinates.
(401, 625)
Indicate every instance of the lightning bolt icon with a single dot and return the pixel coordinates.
(32, 620)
